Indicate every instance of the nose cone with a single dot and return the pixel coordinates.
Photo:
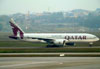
(97, 39)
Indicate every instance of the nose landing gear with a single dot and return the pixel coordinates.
(90, 44)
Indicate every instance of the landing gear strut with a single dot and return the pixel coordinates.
(90, 44)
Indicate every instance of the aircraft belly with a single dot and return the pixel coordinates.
(82, 40)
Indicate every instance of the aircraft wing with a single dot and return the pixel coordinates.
(45, 39)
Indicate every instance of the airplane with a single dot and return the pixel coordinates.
(52, 39)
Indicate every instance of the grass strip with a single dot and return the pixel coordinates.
(48, 50)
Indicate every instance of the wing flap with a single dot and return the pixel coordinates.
(45, 39)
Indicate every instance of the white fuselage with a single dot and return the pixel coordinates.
(70, 37)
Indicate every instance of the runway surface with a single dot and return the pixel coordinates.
(49, 62)
(50, 54)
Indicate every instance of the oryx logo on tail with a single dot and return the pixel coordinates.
(16, 29)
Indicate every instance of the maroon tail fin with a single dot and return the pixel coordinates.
(16, 29)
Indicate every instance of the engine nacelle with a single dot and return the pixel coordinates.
(59, 42)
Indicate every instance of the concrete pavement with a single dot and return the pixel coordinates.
(49, 62)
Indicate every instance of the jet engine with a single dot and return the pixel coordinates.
(59, 42)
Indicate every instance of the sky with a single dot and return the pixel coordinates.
(38, 6)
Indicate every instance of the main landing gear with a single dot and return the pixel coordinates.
(53, 45)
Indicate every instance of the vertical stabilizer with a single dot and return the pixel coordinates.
(16, 29)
